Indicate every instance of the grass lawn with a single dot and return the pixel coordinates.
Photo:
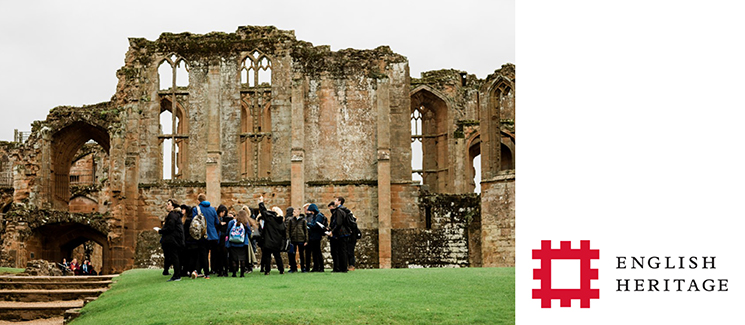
(4, 270)
(391, 296)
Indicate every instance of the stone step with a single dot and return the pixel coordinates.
(18, 278)
(39, 295)
(11, 285)
(24, 311)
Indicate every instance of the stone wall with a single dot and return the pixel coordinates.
(498, 222)
(448, 241)
(334, 123)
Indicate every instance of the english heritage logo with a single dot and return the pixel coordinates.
(584, 254)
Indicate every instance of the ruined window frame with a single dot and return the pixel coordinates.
(179, 127)
(255, 137)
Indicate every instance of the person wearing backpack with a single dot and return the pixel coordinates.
(273, 234)
(172, 238)
(339, 235)
(212, 223)
(238, 233)
(355, 233)
(316, 231)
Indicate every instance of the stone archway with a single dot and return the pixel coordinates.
(65, 144)
(53, 242)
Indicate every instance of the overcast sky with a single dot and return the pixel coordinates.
(67, 54)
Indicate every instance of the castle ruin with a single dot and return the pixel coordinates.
(258, 112)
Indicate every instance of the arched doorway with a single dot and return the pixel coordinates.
(65, 145)
(53, 242)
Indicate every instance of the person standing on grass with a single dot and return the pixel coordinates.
(172, 238)
(191, 245)
(239, 232)
(255, 236)
(291, 249)
(338, 235)
(354, 230)
(316, 231)
(222, 252)
(297, 231)
(210, 216)
(274, 236)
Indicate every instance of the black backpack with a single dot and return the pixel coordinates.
(352, 225)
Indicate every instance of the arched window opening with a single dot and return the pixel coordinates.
(182, 74)
(430, 130)
(416, 145)
(477, 174)
(265, 73)
(473, 171)
(507, 161)
(165, 75)
(256, 70)
(173, 136)
(256, 135)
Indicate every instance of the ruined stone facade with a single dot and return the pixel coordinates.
(258, 112)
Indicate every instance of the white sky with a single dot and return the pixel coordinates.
(67, 54)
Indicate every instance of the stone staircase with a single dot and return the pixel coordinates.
(47, 298)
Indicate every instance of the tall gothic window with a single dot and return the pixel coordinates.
(429, 141)
(416, 144)
(173, 73)
(256, 116)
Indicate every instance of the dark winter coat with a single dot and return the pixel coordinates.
(273, 233)
(173, 230)
(339, 224)
(297, 230)
(317, 224)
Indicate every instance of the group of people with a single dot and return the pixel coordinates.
(201, 240)
(77, 269)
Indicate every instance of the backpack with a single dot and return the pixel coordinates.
(237, 233)
(352, 225)
(198, 227)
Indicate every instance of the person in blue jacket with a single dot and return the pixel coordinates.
(238, 251)
(316, 231)
(213, 222)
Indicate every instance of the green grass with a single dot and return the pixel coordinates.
(4, 270)
(393, 296)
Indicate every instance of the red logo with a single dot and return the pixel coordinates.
(584, 254)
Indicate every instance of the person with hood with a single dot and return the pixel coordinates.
(213, 222)
(273, 235)
(316, 231)
(189, 255)
(297, 232)
(172, 238)
(238, 250)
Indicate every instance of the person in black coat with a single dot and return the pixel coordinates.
(273, 236)
(338, 235)
(172, 238)
(316, 222)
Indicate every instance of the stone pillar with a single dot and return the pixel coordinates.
(459, 155)
(212, 165)
(498, 221)
(384, 174)
(297, 173)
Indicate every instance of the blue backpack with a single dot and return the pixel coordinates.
(237, 233)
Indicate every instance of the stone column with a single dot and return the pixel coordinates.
(212, 165)
(384, 174)
(297, 173)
